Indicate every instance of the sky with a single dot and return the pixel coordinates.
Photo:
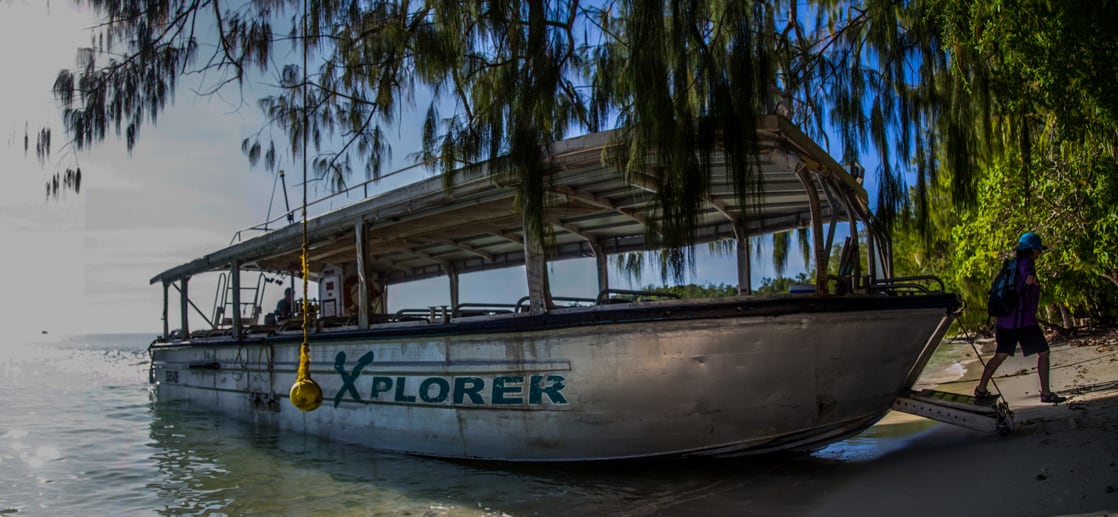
(81, 264)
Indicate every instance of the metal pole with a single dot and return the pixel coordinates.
(857, 259)
(452, 276)
(871, 254)
(286, 203)
(166, 324)
(362, 281)
(816, 229)
(235, 283)
(601, 260)
(744, 272)
(184, 298)
(382, 295)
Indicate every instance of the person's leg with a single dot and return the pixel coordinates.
(1006, 344)
(1034, 342)
(988, 371)
(1042, 365)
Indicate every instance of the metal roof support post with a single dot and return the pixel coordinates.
(871, 258)
(362, 280)
(166, 324)
(831, 201)
(886, 246)
(452, 277)
(744, 270)
(184, 299)
(235, 283)
(816, 229)
(857, 272)
(382, 295)
(829, 245)
(601, 260)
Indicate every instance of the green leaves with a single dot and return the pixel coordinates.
(1066, 205)
(977, 105)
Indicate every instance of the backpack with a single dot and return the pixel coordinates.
(1003, 291)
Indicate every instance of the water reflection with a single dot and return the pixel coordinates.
(210, 463)
(891, 434)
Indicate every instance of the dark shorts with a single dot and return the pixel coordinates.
(1031, 338)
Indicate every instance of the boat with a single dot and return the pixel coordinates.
(619, 374)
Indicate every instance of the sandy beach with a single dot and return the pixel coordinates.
(1059, 459)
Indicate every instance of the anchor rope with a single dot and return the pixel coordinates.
(305, 393)
(304, 349)
(971, 338)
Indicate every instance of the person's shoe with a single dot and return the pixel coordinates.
(1051, 398)
(984, 394)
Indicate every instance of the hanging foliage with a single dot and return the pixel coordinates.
(925, 86)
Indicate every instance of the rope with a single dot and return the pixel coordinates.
(305, 393)
(973, 346)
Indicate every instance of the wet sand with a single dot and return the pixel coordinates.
(1059, 459)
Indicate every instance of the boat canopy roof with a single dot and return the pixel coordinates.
(471, 223)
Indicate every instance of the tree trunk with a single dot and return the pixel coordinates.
(1065, 316)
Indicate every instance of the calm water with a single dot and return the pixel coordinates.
(80, 435)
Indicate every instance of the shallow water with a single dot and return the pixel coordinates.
(80, 435)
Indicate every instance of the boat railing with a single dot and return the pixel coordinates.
(412, 314)
(344, 322)
(605, 298)
(572, 301)
(847, 284)
(907, 285)
(483, 309)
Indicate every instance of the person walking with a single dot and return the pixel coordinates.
(1020, 325)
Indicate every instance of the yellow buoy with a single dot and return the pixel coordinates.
(305, 393)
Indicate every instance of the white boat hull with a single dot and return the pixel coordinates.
(660, 386)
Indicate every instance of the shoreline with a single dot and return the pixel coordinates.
(1058, 460)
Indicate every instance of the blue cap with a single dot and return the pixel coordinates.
(1030, 241)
